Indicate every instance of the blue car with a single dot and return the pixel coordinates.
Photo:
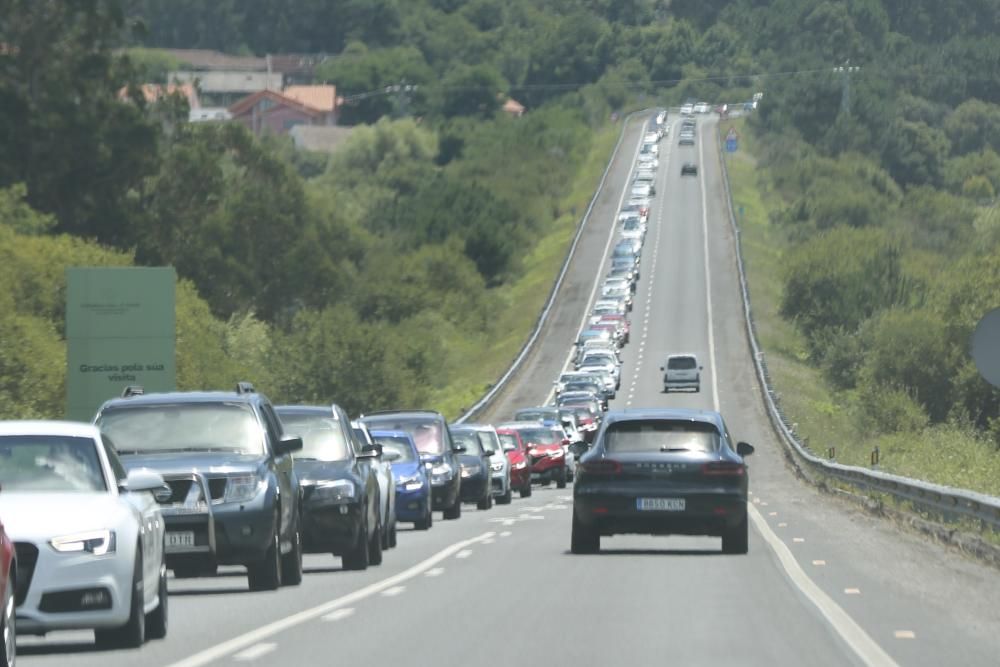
(413, 487)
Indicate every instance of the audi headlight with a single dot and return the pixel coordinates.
(469, 471)
(97, 542)
(334, 490)
(410, 483)
(496, 467)
(520, 465)
(241, 488)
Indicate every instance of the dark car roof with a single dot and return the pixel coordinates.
(400, 414)
(325, 410)
(672, 414)
(185, 397)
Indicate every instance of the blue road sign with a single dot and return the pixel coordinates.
(731, 145)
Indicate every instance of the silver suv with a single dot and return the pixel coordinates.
(681, 371)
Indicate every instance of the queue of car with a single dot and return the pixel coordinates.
(96, 514)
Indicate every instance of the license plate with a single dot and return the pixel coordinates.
(180, 540)
(660, 504)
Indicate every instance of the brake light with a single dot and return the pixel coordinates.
(602, 467)
(723, 469)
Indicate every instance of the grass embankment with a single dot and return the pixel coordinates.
(480, 361)
(945, 454)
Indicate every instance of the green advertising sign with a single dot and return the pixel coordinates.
(120, 330)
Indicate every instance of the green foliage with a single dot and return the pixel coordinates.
(885, 409)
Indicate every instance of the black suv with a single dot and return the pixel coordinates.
(340, 490)
(430, 432)
(235, 497)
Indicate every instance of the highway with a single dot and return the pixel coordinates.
(823, 584)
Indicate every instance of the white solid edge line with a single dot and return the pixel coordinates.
(220, 651)
(604, 259)
(866, 648)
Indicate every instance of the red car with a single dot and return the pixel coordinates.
(545, 451)
(517, 454)
(621, 321)
(587, 420)
(7, 597)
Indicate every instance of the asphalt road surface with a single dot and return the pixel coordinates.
(823, 584)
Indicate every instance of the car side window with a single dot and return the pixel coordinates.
(116, 463)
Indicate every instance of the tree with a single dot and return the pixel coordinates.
(916, 153)
(973, 126)
(476, 90)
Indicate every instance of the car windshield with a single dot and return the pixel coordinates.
(426, 433)
(180, 427)
(661, 435)
(583, 386)
(682, 363)
(469, 440)
(323, 437)
(508, 440)
(535, 415)
(396, 443)
(539, 436)
(632, 224)
(49, 463)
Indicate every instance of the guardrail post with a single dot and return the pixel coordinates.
(831, 453)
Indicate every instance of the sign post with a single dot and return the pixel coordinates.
(120, 330)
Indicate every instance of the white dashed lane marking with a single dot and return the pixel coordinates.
(464, 553)
(393, 592)
(905, 634)
(254, 652)
(339, 614)
(852, 591)
(435, 572)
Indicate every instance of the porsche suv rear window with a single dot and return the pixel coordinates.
(660, 435)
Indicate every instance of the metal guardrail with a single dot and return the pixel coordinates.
(499, 385)
(948, 503)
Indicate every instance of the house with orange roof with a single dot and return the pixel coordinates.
(513, 107)
(277, 113)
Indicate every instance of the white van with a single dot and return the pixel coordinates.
(681, 371)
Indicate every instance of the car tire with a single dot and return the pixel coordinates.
(507, 497)
(8, 625)
(584, 540)
(561, 479)
(736, 540)
(526, 490)
(133, 633)
(356, 558)
(392, 534)
(427, 521)
(455, 511)
(487, 502)
(375, 547)
(156, 620)
(265, 575)
(291, 563)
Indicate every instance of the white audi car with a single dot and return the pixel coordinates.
(88, 536)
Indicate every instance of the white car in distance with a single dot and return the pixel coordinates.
(89, 537)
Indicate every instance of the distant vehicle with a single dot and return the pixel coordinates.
(681, 371)
(386, 484)
(545, 451)
(339, 479)
(687, 109)
(633, 229)
(648, 160)
(8, 585)
(662, 472)
(430, 431)
(689, 169)
(650, 148)
(228, 463)
(88, 536)
(651, 137)
(641, 189)
(413, 484)
(517, 455)
(686, 140)
(702, 107)
(474, 463)
(499, 467)
(586, 418)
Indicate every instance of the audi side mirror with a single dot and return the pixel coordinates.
(744, 448)
(288, 444)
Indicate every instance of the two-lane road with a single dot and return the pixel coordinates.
(823, 584)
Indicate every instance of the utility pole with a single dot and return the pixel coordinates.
(401, 91)
(845, 71)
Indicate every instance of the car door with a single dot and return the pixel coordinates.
(151, 526)
(284, 469)
(367, 468)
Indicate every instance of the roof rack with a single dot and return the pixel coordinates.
(245, 388)
(133, 390)
(392, 412)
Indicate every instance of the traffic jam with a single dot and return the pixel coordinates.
(98, 519)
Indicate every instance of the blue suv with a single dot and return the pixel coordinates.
(235, 498)
(413, 484)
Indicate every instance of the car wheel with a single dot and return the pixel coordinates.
(392, 534)
(265, 575)
(291, 563)
(507, 497)
(356, 558)
(455, 511)
(8, 626)
(526, 490)
(487, 502)
(584, 540)
(736, 540)
(156, 620)
(427, 521)
(561, 480)
(133, 633)
(375, 548)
